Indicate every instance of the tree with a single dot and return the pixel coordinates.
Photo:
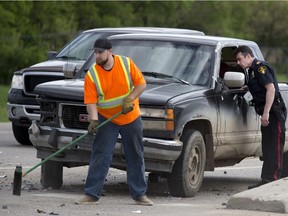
(30, 28)
(12, 17)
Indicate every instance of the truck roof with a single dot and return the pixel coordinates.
(204, 39)
(147, 30)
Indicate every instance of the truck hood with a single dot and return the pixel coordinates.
(41, 68)
(155, 93)
(49, 66)
(55, 63)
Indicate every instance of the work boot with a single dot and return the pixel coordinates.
(262, 182)
(143, 200)
(86, 200)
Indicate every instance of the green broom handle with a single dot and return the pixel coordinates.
(68, 145)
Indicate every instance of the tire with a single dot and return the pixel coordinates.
(52, 174)
(21, 134)
(188, 171)
(153, 177)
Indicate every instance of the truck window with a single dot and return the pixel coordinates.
(189, 62)
(228, 62)
(80, 47)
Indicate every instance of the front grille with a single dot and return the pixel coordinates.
(48, 111)
(32, 80)
(75, 116)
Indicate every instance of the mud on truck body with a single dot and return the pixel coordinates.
(194, 118)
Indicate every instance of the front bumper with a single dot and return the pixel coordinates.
(159, 154)
(23, 114)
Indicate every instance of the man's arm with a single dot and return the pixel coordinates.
(270, 94)
(128, 101)
(137, 91)
(92, 111)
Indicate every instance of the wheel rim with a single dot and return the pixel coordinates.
(195, 166)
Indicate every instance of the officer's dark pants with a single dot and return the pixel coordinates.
(273, 138)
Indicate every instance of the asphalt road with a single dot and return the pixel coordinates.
(217, 188)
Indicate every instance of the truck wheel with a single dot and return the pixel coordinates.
(187, 174)
(285, 165)
(21, 134)
(153, 177)
(52, 174)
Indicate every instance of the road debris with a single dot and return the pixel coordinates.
(29, 186)
(40, 211)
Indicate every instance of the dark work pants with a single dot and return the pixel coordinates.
(102, 152)
(273, 139)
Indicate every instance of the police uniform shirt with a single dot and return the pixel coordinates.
(260, 74)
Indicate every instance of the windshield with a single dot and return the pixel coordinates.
(80, 47)
(186, 61)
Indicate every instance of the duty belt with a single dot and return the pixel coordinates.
(278, 107)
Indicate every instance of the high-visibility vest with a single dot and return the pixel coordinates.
(117, 101)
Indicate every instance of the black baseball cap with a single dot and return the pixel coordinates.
(102, 44)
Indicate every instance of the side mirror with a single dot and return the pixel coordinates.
(69, 70)
(234, 79)
(51, 55)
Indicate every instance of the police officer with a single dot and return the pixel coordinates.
(269, 104)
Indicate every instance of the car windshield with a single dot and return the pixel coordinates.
(80, 47)
(188, 62)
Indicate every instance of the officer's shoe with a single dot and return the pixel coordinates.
(262, 182)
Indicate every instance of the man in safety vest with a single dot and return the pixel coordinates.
(113, 85)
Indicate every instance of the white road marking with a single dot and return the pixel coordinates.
(237, 168)
(57, 195)
(12, 168)
(183, 204)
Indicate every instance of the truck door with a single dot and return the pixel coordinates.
(238, 123)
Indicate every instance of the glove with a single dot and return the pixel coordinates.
(92, 128)
(127, 105)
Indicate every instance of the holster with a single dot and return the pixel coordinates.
(259, 109)
(278, 107)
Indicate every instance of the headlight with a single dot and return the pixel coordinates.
(17, 82)
(153, 113)
(160, 118)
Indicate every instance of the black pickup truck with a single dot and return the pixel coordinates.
(22, 106)
(194, 113)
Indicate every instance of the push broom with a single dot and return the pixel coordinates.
(18, 174)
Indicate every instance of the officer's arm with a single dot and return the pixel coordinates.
(92, 111)
(270, 94)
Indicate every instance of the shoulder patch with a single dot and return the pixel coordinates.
(262, 69)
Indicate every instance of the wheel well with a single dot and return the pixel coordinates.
(204, 127)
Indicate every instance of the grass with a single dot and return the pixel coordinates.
(282, 77)
(3, 102)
